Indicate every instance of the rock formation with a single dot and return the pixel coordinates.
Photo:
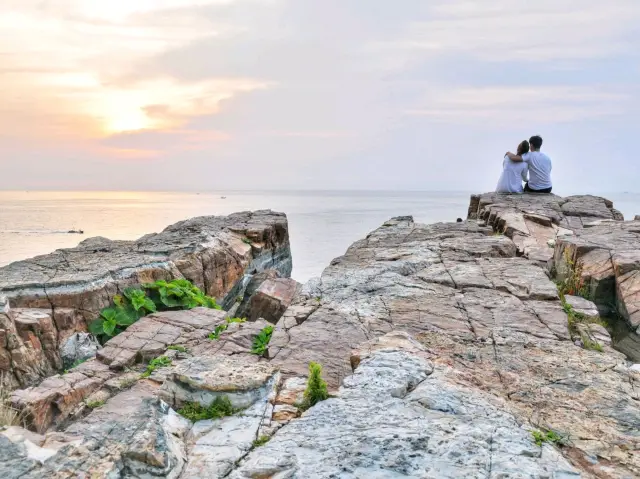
(46, 300)
(447, 349)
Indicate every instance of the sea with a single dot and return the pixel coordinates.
(322, 224)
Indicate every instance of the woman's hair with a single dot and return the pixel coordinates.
(523, 148)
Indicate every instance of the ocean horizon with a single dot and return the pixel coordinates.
(322, 223)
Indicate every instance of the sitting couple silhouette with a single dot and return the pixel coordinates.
(528, 165)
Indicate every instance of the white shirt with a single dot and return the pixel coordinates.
(513, 174)
(539, 170)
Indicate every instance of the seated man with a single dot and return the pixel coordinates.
(513, 172)
(539, 167)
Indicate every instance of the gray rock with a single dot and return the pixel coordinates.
(583, 306)
(391, 420)
(79, 348)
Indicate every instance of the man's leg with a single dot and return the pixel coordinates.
(527, 189)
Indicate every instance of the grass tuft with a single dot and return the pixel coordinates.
(219, 408)
(552, 437)
(159, 362)
(261, 441)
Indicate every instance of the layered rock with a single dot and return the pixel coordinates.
(606, 259)
(445, 348)
(52, 297)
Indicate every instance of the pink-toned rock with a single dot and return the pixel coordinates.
(269, 297)
(151, 335)
(56, 398)
(69, 287)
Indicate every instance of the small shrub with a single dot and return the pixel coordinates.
(95, 404)
(573, 284)
(261, 341)
(316, 387)
(540, 437)
(247, 241)
(261, 441)
(136, 303)
(219, 408)
(177, 347)
(159, 362)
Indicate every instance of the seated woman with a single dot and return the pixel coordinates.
(514, 173)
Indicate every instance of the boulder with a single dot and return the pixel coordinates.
(267, 296)
(583, 306)
(54, 296)
(78, 348)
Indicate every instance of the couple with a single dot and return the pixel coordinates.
(529, 159)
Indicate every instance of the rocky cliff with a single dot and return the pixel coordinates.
(448, 350)
(52, 297)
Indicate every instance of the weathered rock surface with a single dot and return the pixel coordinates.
(391, 419)
(267, 296)
(78, 348)
(443, 350)
(52, 297)
(607, 260)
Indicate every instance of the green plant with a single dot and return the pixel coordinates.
(95, 404)
(159, 362)
(574, 284)
(261, 441)
(219, 408)
(590, 344)
(221, 328)
(261, 341)
(177, 347)
(316, 387)
(136, 303)
(75, 364)
(540, 437)
(247, 241)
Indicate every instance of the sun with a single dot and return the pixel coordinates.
(124, 121)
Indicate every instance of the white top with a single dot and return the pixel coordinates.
(513, 174)
(539, 170)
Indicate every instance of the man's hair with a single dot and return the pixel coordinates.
(536, 142)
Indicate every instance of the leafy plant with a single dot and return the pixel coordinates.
(136, 303)
(316, 387)
(261, 441)
(550, 436)
(177, 347)
(261, 341)
(247, 241)
(159, 362)
(179, 294)
(219, 408)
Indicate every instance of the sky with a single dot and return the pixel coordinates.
(201, 95)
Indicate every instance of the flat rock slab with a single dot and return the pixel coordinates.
(151, 335)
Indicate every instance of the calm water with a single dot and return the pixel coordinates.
(322, 224)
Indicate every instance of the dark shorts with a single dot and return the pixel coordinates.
(529, 190)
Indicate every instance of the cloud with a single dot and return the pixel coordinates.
(302, 93)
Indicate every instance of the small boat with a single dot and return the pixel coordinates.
(76, 232)
(223, 197)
